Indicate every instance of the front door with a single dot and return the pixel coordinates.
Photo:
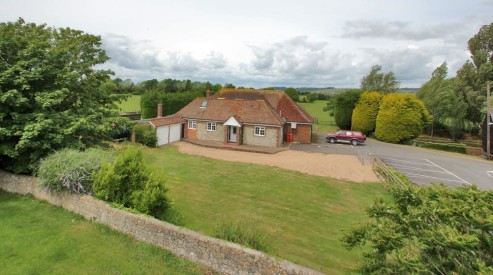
(232, 134)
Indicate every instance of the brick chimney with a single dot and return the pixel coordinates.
(208, 92)
(160, 110)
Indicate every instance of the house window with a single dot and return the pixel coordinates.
(259, 131)
(211, 126)
(192, 124)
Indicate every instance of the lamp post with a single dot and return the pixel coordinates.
(488, 122)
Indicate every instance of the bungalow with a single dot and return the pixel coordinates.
(239, 116)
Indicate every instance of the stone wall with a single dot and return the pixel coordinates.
(270, 139)
(203, 134)
(221, 256)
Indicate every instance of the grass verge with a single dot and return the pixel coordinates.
(302, 217)
(39, 238)
(132, 104)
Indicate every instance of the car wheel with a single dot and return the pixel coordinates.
(354, 142)
(332, 140)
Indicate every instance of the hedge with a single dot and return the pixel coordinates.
(365, 113)
(343, 108)
(401, 117)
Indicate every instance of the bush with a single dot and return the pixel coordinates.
(72, 170)
(128, 182)
(343, 108)
(457, 148)
(365, 113)
(119, 127)
(242, 234)
(148, 103)
(145, 134)
(401, 117)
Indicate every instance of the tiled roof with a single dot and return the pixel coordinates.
(279, 101)
(245, 111)
(167, 120)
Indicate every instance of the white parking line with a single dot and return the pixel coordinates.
(489, 173)
(464, 181)
(440, 179)
(403, 167)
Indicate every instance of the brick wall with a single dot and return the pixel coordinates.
(303, 133)
(221, 256)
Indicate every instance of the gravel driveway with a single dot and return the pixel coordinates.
(343, 167)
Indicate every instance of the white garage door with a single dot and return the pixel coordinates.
(169, 133)
(174, 132)
(162, 135)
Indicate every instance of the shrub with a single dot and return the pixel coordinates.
(72, 170)
(365, 113)
(401, 117)
(242, 234)
(128, 182)
(119, 127)
(145, 134)
(457, 148)
(343, 108)
(148, 103)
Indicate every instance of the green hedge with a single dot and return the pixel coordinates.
(401, 117)
(145, 134)
(343, 108)
(458, 148)
(365, 113)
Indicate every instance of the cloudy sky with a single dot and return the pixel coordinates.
(260, 43)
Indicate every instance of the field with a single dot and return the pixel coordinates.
(132, 104)
(39, 238)
(324, 122)
(301, 216)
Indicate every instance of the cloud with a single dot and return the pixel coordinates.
(399, 30)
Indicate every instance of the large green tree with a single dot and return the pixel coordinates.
(378, 81)
(343, 106)
(51, 95)
(365, 113)
(427, 230)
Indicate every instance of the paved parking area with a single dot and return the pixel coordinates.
(423, 171)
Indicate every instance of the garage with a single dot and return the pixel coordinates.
(168, 129)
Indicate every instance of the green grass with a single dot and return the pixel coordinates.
(39, 238)
(132, 104)
(324, 122)
(302, 216)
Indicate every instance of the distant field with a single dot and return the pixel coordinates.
(302, 216)
(132, 104)
(324, 122)
(39, 238)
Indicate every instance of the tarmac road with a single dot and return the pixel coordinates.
(421, 166)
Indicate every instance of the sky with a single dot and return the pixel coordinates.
(264, 43)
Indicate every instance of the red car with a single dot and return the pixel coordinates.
(353, 137)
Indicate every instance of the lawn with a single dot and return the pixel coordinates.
(302, 216)
(39, 238)
(324, 122)
(132, 104)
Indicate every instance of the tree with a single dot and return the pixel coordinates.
(311, 97)
(229, 86)
(433, 93)
(343, 107)
(401, 117)
(293, 94)
(365, 113)
(51, 95)
(380, 82)
(428, 230)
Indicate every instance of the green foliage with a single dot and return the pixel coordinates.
(449, 147)
(119, 127)
(172, 103)
(241, 233)
(365, 113)
(148, 103)
(311, 97)
(152, 199)
(293, 93)
(72, 170)
(145, 134)
(401, 117)
(344, 105)
(129, 183)
(51, 95)
(435, 230)
(380, 82)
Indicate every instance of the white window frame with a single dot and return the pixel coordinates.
(259, 131)
(192, 124)
(211, 126)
